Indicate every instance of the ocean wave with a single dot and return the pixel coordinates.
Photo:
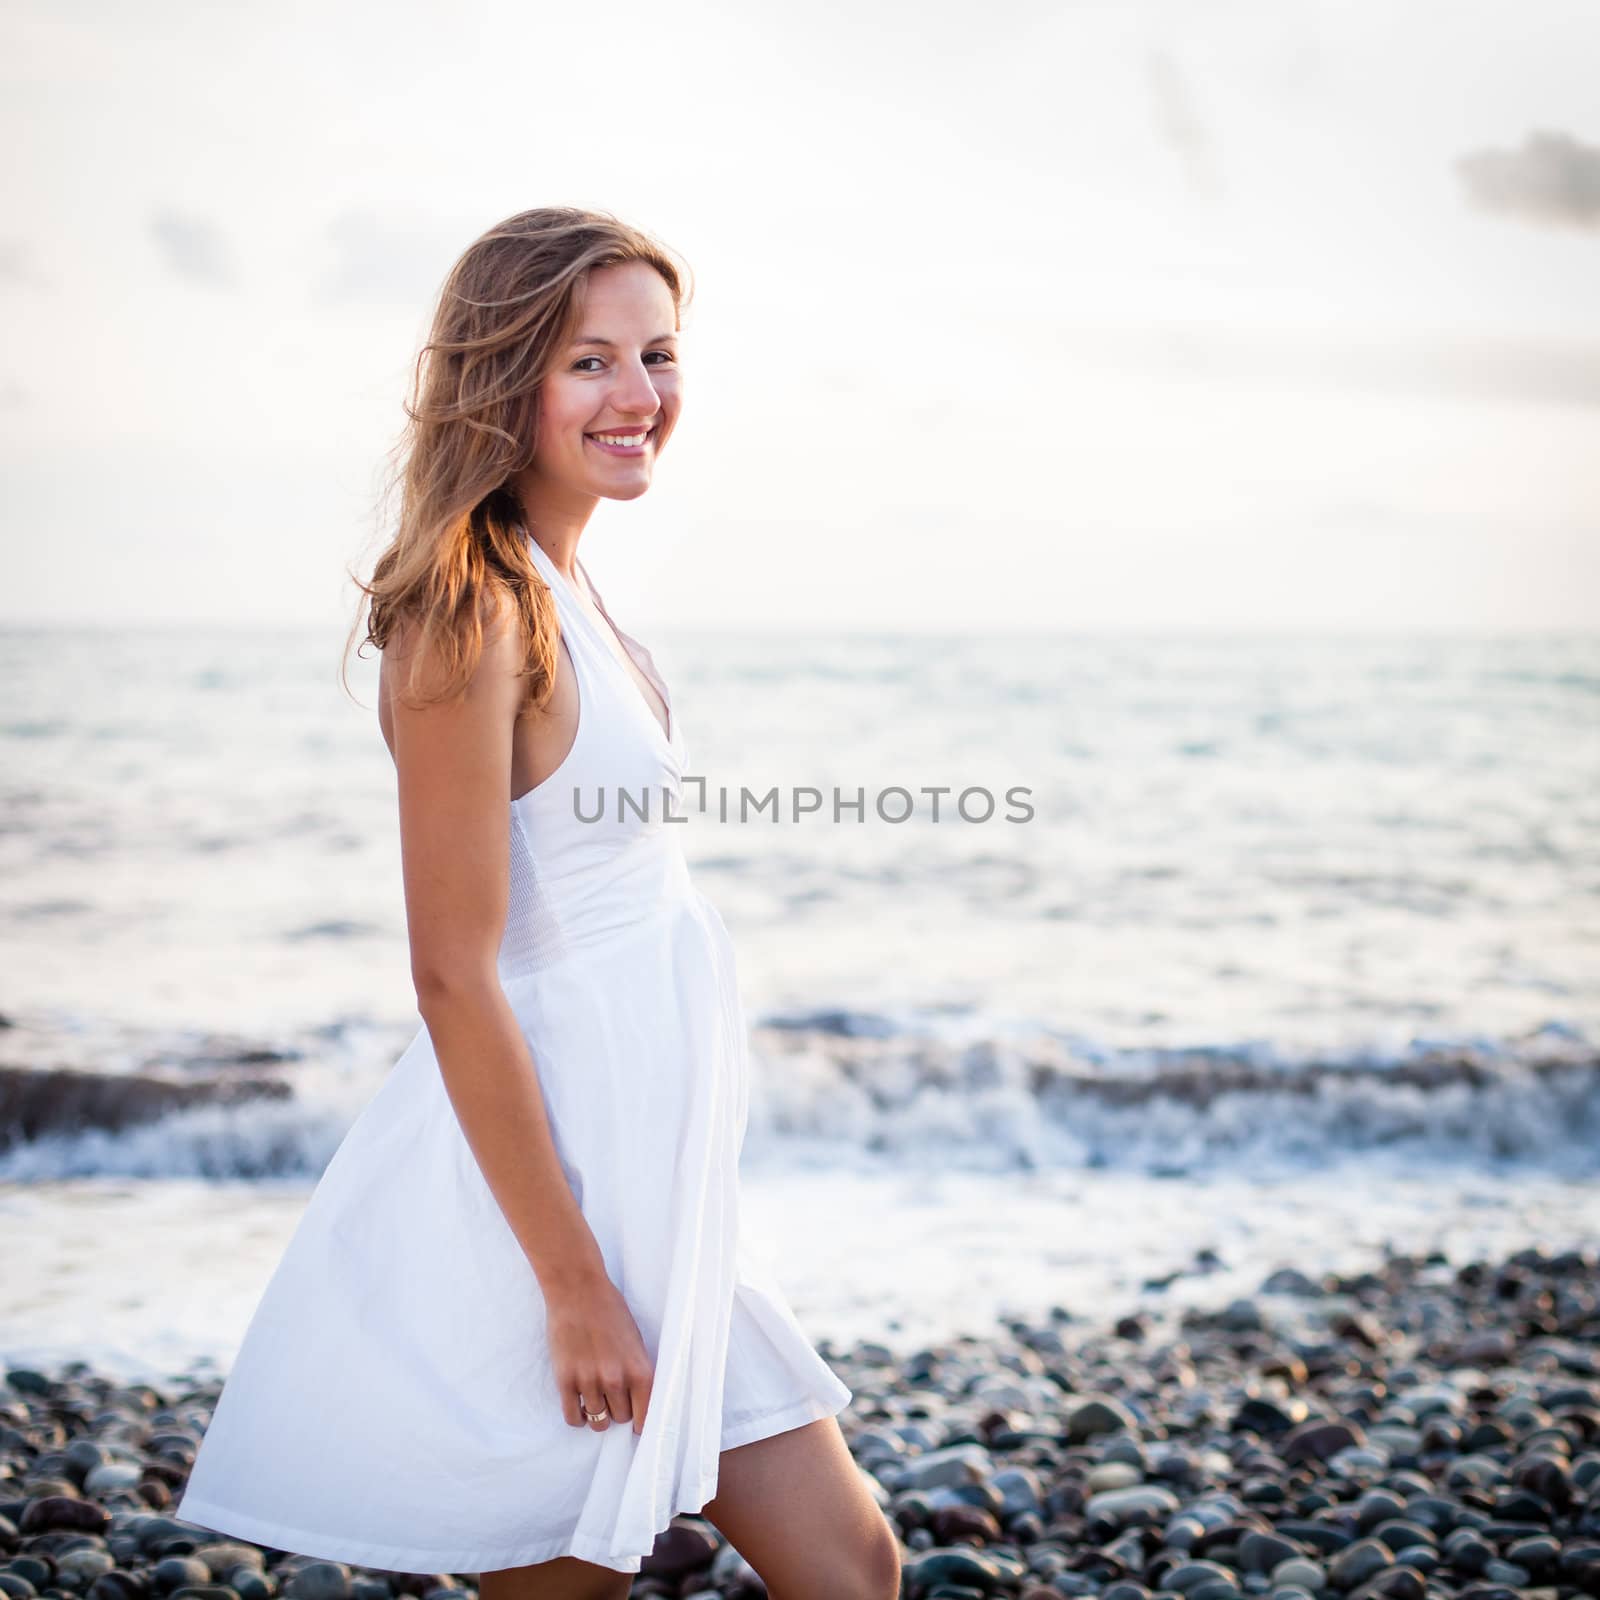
(942, 1091)
(1054, 1101)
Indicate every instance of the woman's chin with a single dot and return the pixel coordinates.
(631, 490)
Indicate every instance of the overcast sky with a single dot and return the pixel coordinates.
(1274, 314)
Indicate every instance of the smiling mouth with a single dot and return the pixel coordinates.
(624, 444)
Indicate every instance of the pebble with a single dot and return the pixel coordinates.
(1100, 1414)
(1114, 1475)
(1417, 1431)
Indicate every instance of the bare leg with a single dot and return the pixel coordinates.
(795, 1507)
(564, 1578)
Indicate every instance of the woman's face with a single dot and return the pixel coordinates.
(617, 379)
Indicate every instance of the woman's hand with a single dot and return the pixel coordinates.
(598, 1354)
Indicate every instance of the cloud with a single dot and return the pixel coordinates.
(192, 247)
(1553, 180)
(1178, 121)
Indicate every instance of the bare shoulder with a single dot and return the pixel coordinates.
(424, 675)
(430, 666)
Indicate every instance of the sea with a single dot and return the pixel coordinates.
(1146, 964)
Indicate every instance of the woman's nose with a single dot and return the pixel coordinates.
(635, 391)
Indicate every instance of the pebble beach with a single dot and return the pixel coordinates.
(1426, 1428)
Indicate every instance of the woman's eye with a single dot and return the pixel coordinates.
(578, 365)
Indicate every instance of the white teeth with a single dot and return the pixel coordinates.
(623, 438)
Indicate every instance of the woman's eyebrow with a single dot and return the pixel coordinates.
(589, 338)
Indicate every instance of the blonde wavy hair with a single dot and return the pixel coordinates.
(504, 314)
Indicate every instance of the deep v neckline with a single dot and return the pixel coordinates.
(669, 733)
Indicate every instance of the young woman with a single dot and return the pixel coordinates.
(513, 1333)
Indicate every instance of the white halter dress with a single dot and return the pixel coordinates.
(393, 1403)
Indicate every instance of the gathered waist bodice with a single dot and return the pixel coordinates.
(593, 853)
(549, 919)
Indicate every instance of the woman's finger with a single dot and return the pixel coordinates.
(572, 1408)
(617, 1399)
(592, 1402)
(640, 1403)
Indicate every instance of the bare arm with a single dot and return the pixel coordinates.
(454, 764)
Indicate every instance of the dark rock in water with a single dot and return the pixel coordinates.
(220, 1050)
(35, 1102)
(333, 928)
(845, 1024)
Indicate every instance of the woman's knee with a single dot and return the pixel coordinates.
(562, 1578)
(865, 1566)
(880, 1563)
(799, 1510)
